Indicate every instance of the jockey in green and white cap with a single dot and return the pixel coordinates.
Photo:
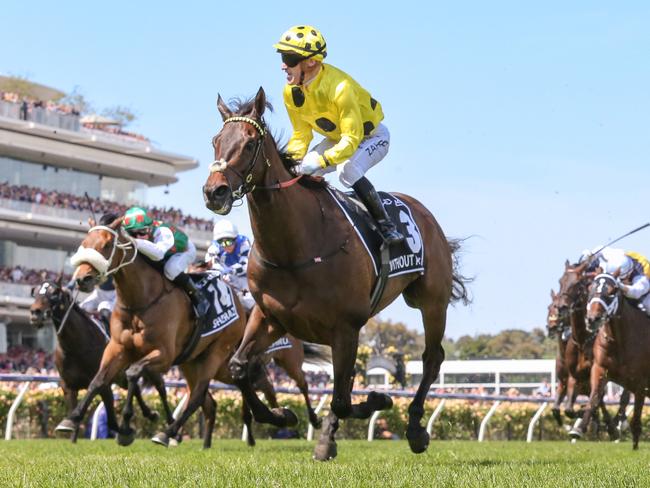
(162, 242)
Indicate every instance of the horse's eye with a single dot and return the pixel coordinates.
(250, 145)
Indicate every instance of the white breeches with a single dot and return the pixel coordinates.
(371, 150)
(178, 263)
(99, 300)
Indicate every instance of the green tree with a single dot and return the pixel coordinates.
(124, 115)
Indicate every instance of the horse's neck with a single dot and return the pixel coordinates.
(623, 327)
(78, 332)
(578, 327)
(286, 223)
(561, 344)
(134, 283)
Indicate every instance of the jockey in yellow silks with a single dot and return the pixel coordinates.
(161, 242)
(322, 98)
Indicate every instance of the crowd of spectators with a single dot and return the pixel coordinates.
(38, 196)
(27, 105)
(21, 359)
(26, 276)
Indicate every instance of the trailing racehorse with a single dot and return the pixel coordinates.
(572, 304)
(153, 326)
(80, 343)
(561, 329)
(620, 349)
(312, 277)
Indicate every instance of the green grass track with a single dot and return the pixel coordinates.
(288, 463)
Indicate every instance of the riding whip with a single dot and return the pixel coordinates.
(90, 205)
(619, 238)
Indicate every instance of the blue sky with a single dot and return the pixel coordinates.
(523, 125)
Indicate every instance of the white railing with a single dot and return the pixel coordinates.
(323, 393)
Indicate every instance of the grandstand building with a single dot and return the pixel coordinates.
(54, 152)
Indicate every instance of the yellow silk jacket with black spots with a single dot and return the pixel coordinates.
(334, 105)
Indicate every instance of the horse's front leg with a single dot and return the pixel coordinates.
(113, 361)
(71, 399)
(597, 383)
(155, 359)
(259, 334)
(560, 393)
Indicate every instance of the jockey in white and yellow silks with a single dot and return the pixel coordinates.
(632, 270)
(322, 98)
(161, 242)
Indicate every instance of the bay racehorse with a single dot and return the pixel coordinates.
(80, 343)
(579, 354)
(151, 327)
(560, 328)
(311, 276)
(620, 350)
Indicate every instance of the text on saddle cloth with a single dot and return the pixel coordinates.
(281, 343)
(223, 310)
(407, 257)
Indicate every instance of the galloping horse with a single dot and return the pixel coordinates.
(151, 326)
(80, 343)
(620, 350)
(572, 305)
(311, 277)
(559, 327)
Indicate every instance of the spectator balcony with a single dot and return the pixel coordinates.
(42, 225)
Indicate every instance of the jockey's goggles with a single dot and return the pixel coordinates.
(225, 242)
(140, 232)
(291, 59)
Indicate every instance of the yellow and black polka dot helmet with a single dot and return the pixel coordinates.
(304, 40)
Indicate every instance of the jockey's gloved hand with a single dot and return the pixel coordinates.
(310, 163)
(622, 286)
(238, 269)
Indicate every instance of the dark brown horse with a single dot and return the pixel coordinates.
(560, 328)
(620, 350)
(151, 325)
(311, 276)
(80, 343)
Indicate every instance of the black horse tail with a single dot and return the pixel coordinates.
(459, 287)
(317, 354)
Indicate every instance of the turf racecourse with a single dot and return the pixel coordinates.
(288, 463)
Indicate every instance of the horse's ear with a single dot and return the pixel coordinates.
(223, 108)
(260, 102)
(116, 223)
(91, 222)
(553, 294)
(567, 264)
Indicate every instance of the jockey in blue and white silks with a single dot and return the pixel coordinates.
(228, 254)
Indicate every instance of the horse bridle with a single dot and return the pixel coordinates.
(97, 260)
(612, 307)
(221, 165)
(57, 302)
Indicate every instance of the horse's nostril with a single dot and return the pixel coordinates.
(220, 191)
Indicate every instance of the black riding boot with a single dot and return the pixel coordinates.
(372, 200)
(197, 297)
(105, 315)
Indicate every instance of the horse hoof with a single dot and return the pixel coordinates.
(316, 422)
(154, 416)
(66, 426)
(325, 451)
(173, 442)
(575, 434)
(570, 413)
(379, 401)
(237, 369)
(250, 441)
(126, 439)
(418, 440)
(161, 439)
(635, 447)
(289, 417)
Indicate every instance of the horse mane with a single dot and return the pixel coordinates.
(244, 107)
